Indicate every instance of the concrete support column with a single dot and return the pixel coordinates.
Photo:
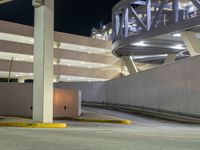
(143, 66)
(192, 42)
(132, 68)
(170, 58)
(43, 61)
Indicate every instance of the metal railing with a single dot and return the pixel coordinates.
(129, 19)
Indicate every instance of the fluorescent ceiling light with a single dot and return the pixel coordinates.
(83, 64)
(149, 56)
(79, 78)
(176, 35)
(141, 43)
(178, 46)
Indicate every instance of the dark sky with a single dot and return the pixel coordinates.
(71, 16)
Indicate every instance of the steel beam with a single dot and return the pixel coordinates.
(196, 3)
(175, 27)
(139, 21)
(126, 21)
(117, 25)
(148, 12)
(157, 17)
(175, 6)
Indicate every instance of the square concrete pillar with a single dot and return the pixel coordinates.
(43, 61)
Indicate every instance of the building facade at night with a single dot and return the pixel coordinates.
(76, 58)
(140, 71)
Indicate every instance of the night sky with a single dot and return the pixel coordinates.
(71, 16)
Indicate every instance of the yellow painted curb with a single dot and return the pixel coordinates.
(105, 121)
(33, 125)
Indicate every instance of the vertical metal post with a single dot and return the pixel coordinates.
(148, 12)
(10, 69)
(158, 14)
(126, 20)
(121, 27)
(117, 25)
(113, 28)
(175, 6)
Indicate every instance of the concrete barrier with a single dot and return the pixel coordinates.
(16, 100)
(172, 88)
(91, 91)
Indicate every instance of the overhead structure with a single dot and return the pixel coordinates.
(150, 31)
(130, 64)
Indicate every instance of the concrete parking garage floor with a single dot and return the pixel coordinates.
(144, 134)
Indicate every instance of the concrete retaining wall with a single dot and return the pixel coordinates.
(17, 100)
(91, 91)
(174, 88)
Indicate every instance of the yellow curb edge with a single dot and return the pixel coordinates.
(128, 122)
(33, 125)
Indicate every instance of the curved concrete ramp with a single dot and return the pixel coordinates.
(144, 134)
